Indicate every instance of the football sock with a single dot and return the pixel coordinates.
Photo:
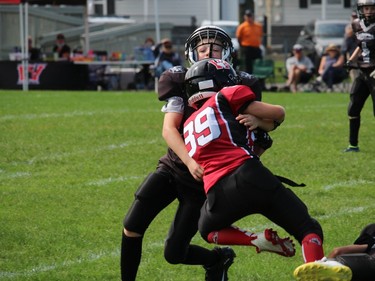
(354, 124)
(197, 255)
(231, 236)
(312, 248)
(131, 251)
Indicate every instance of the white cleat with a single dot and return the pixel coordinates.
(269, 241)
(323, 270)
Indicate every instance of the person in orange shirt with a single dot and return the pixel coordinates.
(249, 34)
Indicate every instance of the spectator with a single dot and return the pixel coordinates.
(61, 48)
(166, 57)
(351, 262)
(331, 68)
(146, 53)
(249, 34)
(299, 67)
(34, 53)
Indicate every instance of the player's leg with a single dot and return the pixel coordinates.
(228, 201)
(184, 227)
(289, 212)
(361, 265)
(153, 195)
(372, 91)
(178, 247)
(358, 95)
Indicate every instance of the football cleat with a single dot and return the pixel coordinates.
(323, 270)
(352, 148)
(269, 241)
(219, 271)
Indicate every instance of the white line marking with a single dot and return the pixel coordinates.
(71, 114)
(59, 156)
(347, 184)
(45, 268)
(112, 180)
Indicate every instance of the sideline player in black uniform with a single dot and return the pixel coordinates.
(172, 178)
(364, 55)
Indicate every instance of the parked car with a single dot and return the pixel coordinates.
(229, 27)
(318, 34)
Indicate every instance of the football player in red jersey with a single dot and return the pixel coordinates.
(235, 181)
(364, 56)
(172, 178)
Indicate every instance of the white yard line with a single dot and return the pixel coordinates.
(102, 182)
(69, 114)
(51, 267)
(347, 184)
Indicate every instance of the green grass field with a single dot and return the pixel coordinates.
(71, 161)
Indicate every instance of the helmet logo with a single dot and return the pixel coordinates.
(220, 64)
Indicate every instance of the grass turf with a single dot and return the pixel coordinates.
(71, 161)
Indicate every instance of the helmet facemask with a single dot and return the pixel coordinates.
(366, 11)
(212, 35)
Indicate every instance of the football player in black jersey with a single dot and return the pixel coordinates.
(173, 176)
(364, 56)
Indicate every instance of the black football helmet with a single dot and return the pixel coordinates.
(369, 19)
(206, 77)
(201, 36)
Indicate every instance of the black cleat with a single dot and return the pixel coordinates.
(352, 148)
(219, 271)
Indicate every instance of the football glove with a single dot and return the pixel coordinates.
(262, 139)
(348, 65)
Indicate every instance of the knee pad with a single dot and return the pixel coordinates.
(155, 193)
(153, 185)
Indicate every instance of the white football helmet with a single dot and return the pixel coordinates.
(218, 36)
(369, 18)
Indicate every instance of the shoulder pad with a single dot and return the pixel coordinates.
(252, 82)
(246, 78)
(172, 83)
(356, 26)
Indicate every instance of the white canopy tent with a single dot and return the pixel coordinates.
(24, 28)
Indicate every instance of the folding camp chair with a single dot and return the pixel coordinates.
(264, 69)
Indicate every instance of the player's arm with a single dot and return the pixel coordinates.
(355, 54)
(172, 137)
(350, 249)
(264, 115)
(252, 122)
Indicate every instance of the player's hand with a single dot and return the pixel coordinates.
(262, 139)
(348, 65)
(250, 121)
(195, 169)
(372, 74)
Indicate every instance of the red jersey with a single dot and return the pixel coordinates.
(213, 136)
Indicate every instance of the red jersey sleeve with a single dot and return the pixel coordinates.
(238, 97)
